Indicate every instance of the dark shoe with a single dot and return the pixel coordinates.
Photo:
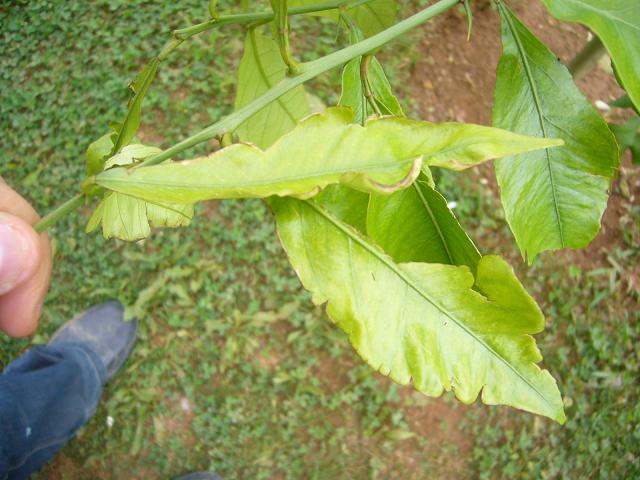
(200, 476)
(103, 330)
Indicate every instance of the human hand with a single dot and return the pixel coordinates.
(25, 265)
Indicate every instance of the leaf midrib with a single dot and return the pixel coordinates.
(427, 207)
(126, 178)
(536, 100)
(419, 291)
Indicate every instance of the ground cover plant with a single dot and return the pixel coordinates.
(167, 262)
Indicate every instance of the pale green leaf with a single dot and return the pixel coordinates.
(261, 67)
(347, 204)
(416, 225)
(387, 102)
(373, 17)
(130, 154)
(213, 8)
(353, 94)
(423, 323)
(552, 198)
(617, 24)
(128, 218)
(332, 14)
(383, 156)
(96, 154)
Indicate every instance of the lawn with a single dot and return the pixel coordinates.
(235, 370)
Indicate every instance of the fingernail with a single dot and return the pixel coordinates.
(14, 249)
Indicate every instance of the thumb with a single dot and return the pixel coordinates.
(20, 252)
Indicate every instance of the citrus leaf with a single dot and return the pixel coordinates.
(261, 67)
(139, 87)
(213, 8)
(353, 94)
(130, 154)
(96, 154)
(552, 198)
(383, 156)
(617, 24)
(373, 17)
(422, 322)
(416, 225)
(628, 137)
(128, 218)
(347, 204)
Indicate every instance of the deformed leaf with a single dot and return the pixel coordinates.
(96, 154)
(128, 218)
(261, 67)
(416, 225)
(383, 156)
(552, 198)
(130, 154)
(423, 323)
(617, 24)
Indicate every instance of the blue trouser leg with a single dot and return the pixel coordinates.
(46, 395)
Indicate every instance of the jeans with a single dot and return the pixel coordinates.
(46, 395)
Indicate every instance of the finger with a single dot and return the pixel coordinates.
(11, 202)
(20, 252)
(20, 308)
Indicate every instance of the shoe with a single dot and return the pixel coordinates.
(103, 330)
(200, 476)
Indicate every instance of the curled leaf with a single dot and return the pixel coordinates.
(383, 156)
(128, 218)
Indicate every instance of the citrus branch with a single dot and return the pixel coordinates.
(309, 70)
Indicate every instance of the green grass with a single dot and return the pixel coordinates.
(235, 370)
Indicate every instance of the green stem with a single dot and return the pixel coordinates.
(366, 85)
(282, 24)
(62, 210)
(309, 70)
(185, 33)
